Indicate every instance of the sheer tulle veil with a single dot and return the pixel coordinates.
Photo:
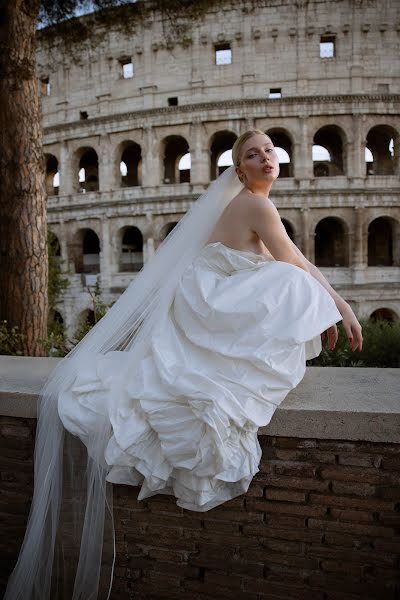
(69, 548)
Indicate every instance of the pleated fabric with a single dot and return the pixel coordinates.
(185, 416)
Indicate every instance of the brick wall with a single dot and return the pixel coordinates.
(321, 521)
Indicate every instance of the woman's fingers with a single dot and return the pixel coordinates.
(357, 337)
(332, 336)
(353, 332)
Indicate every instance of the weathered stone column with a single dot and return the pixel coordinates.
(302, 153)
(356, 151)
(359, 254)
(199, 154)
(68, 179)
(106, 182)
(151, 171)
(105, 254)
(62, 238)
(148, 238)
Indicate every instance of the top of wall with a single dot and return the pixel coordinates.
(329, 403)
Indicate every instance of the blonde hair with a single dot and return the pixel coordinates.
(238, 145)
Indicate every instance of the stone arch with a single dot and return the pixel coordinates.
(57, 317)
(382, 146)
(331, 243)
(86, 251)
(87, 163)
(131, 249)
(129, 164)
(220, 142)
(283, 143)
(383, 242)
(86, 317)
(174, 147)
(52, 175)
(331, 138)
(289, 228)
(55, 245)
(384, 314)
(166, 229)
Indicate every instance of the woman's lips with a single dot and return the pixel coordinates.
(268, 169)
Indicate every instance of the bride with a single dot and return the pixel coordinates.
(169, 389)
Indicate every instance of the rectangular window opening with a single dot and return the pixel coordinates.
(275, 93)
(173, 101)
(223, 54)
(83, 115)
(383, 88)
(327, 46)
(126, 66)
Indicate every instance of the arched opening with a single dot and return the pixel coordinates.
(166, 230)
(88, 170)
(57, 317)
(54, 247)
(331, 243)
(284, 149)
(130, 165)
(221, 142)
(52, 175)
(86, 250)
(175, 148)
(289, 228)
(380, 150)
(184, 167)
(224, 161)
(131, 256)
(380, 242)
(384, 314)
(327, 152)
(86, 320)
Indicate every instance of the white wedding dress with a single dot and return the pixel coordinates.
(233, 344)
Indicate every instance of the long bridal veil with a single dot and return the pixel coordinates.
(69, 546)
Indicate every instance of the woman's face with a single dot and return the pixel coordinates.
(258, 161)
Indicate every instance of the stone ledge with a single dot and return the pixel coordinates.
(330, 402)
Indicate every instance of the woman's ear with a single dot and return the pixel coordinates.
(239, 173)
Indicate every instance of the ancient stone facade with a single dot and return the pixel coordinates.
(137, 127)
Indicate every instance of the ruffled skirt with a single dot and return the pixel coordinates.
(233, 344)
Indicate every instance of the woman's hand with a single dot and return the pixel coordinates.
(352, 327)
(332, 334)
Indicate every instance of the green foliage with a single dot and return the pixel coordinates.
(91, 318)
(10, 340)
(381, 347)
(55, 343)
(56, 284)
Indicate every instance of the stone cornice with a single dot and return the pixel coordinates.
(166, 204)
(225, 104)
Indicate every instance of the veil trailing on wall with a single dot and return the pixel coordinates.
(69, 546)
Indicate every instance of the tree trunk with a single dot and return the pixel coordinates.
(23, 210)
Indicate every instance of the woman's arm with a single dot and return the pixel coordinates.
(350, 322)
(315, 272)
(263, 219)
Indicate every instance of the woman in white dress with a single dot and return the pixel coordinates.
(169, 389)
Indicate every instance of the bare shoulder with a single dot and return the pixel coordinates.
(254, 206)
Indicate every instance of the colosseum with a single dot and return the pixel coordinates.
(138, 124)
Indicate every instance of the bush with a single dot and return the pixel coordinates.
(10, 340)
(381, 347)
